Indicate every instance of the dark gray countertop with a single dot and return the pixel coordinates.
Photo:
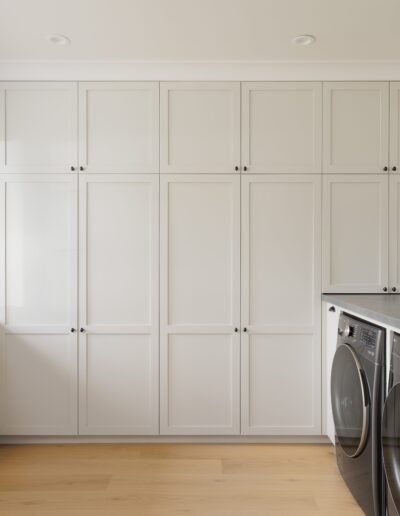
(384, 308)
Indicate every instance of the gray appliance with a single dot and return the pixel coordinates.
(357, 395)
(391, 431)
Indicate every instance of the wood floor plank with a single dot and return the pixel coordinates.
(172, 480)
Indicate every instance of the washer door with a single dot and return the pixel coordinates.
(350, 401)
(391, 443)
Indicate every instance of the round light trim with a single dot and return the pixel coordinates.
(58, 39)
(303, 40)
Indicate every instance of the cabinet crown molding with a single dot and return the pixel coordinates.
(200, 70)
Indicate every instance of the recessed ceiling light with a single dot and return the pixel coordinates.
(58, 39)
(303, 40)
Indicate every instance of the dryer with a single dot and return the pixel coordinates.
(357, 395)
(391, 431)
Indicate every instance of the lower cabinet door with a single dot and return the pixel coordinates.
(118, 338)
(200, 281)
(38, 304)
(281, 337)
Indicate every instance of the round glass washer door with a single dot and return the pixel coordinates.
(350, 401)
(391, 443)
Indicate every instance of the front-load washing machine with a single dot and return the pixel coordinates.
(357, 394)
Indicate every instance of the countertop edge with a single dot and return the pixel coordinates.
(380, 317)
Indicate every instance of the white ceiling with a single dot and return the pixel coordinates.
(200, 30)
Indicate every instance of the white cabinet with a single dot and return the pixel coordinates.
(282, 127)
(200, 304)
(356, 127)
(38, 304)
(330, 321)
(200, 127)
(281, 304)
(394, 233)
(355, 233)
(119, 127)
(118, 309)
(38, 127)
(395, 126)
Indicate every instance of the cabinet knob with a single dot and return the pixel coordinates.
(245, 330)
(236, 330)
(332, 309)
(394, 289)
(72, 169)
(81, 169)
(73, 330)
(82, 330)
(245, 169)
(385, 169)
(236, 168)
(384, 289)
(394, 169)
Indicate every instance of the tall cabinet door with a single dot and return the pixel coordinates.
(38, 127)
(118, 309)
(356, 127)
(38, 279)
(395, 127)
(281, 355)
(119, 127)
(355, 233)
(282, 127)
(200, 307)
(200, 127)
(394, 233)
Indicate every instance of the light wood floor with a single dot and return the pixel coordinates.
(173, 480)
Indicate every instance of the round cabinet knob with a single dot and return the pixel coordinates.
(236, 330)
(81, 169)
(394, 169)
(236, 168)
(73, 330)
(385, 169)
(245, 169)
(82, 330)
(332, 309)
(245, 330)
(384, 289)
(72, 169)
(394, 289)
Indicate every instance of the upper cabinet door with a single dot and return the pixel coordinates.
(355, 233)
(395, 126)
(38, 127)
(200, 127)
(282, 127)
(356, 127)
(119, 127)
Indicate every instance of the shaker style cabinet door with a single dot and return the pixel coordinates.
(281, 127)
(394, 127)
(118, 308)
(356, 127)
(38, 127)
(281, 336)
(200, 305)
(119, 127)
(394, 233)
(200, 127)
(38, 304)
(355, 233)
